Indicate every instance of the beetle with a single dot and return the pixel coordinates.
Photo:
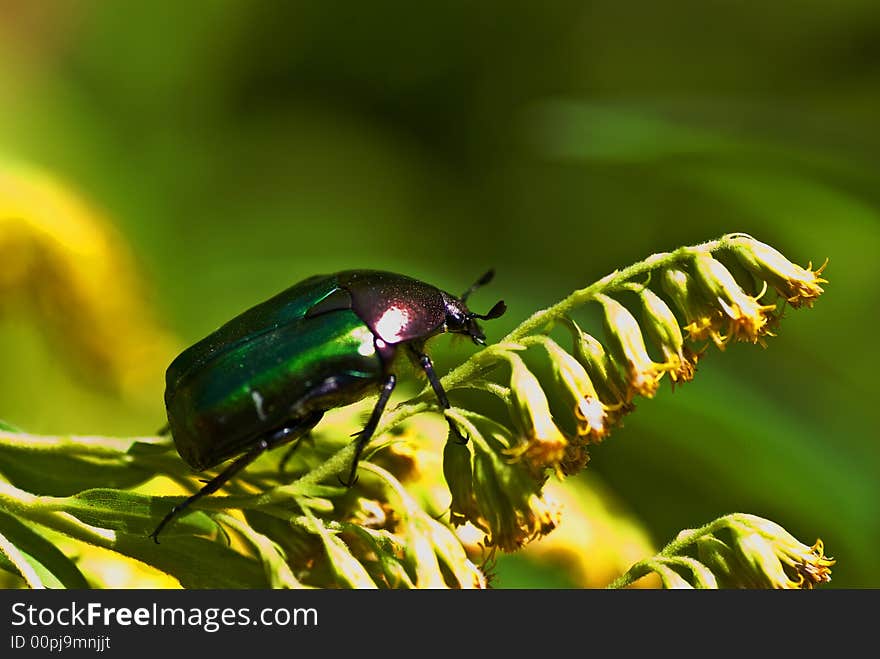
(266, 377)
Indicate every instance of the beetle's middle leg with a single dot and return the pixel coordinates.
(365, 434)
(428, 367)
(282, 435)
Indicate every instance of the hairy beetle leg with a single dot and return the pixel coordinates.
(278, 437)
(365, 434)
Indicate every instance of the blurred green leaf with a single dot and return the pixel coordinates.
(583, 130)
(51, 566)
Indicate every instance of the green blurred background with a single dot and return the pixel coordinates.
(242, 146)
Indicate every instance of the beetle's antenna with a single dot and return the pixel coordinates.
(494, 312)
(482, 281)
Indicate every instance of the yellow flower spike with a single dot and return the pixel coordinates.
(663, 330)
(543, 444)
(572, 378)
(58, 251)
(625, 337)
(799, 286)
(598, 539)
(702, 321)
(747, 317)
(777, 558)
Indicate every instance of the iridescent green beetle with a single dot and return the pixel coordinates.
(267, 376)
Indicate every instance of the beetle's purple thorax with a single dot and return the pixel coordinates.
(395, 307)
(400, 309)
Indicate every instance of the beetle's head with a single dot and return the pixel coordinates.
(461, 320)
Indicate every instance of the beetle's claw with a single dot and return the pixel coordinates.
(457, 437)
(351, 482)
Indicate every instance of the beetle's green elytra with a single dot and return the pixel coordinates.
(267, 376)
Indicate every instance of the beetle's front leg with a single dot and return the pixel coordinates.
(428, 367)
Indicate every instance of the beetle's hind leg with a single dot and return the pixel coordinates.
(281, 436)
(365, 434)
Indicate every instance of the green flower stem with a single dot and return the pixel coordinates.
(669, 552)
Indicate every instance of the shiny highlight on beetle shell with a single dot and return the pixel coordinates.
(392, 324)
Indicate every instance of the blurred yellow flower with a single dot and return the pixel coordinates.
(61, 257)
(597, 540)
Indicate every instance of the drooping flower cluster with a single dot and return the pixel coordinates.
(740, 551)
(708, 294)
(496, 492)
